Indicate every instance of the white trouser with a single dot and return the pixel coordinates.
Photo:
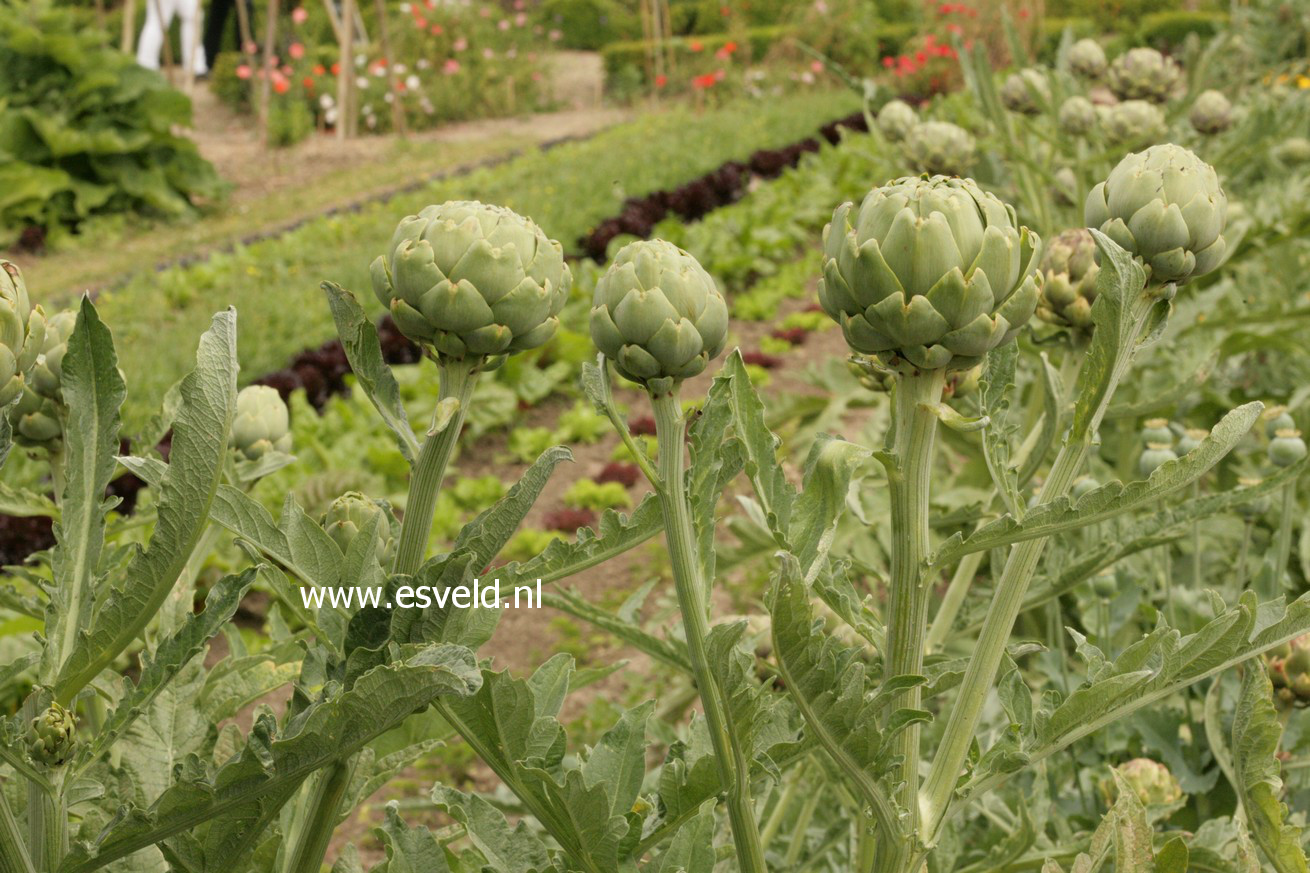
(159, 16)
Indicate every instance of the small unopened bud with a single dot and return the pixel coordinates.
(1286, 448)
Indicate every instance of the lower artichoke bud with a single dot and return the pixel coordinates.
(1077, 115)
(870, 373)
(22, 333)
(51, 736)
(351, 513)
(895, 119)
(262, 423)
(1134, 121)
(1087, 59)
(47, 375)
(1288, 666)
(37, 421)
(1145, 74)
(1026, 91)
(1211, 113)
(1150, 780)
(1070, 270)
(940, 148)
(657, 314)
(1277, 418)
(1291, 152)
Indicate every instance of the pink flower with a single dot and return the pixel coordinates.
(250, 48)
(485, 11)
(521, 20)
(300, 15)
(816, 66)
(296, 50)
(555, 35)
(503, 24)
(460, 44)
(488, 53)
(450, 67)
(244, 71)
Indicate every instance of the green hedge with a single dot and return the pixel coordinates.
(590, 24)
(1165, 30)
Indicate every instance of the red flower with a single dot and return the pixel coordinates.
(661, 80)
(1023, 13)
(281, 85)
(420, 22)
(436, 30)
(704, 81)
(920, 57)
(889, 62)
(336, 69)
(243, 71)
(296, 50)
(308, 82)
(319, 69)
(696, 45)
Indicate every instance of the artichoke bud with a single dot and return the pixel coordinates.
(964, 383)
(47, 374)
(1288, 667)
(471, 281)
(1164, 206)
(895, 119)
(940, 148)
(1286, 448)
(1291, 152)
(1077, 115)
(1133, 121)
(1252, 509)
(1157, 430)
(1211, 113)
(1026, 91)
(657, 314)
(929, 273)
(1191, 438)
(51, 736)
(1087, 59)
(37, 421)
(262, 423)
(1105, 585)
(1145, 74)
(22, 333)
(870, 373)
(1070, 270)
(351, 513)
(1152, 782)
(1156, 455)
(1277, 418)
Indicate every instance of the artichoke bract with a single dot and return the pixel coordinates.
(1211, 113)
(1144, 74)
(1163, 205)
(895, 119)
(1087, 59)
(352, 512)
(262, 423)
(22, 332)
(472, 281)
(1026, 91)
(52, 736)
(37, 417)
(1077, 115)
(930, 271)
(1151, 781)
(657, 314)
(940, 148)
(1133, 121)
(1069, 290)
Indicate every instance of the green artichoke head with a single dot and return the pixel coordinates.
(52, 736)
(262, 423)
(1087, 59)
(473, 281)
(1133, 122)
(37, 420)
(1292, 152)
(1077, 115)
(1211, 112)
(22, 333)
(1145, 74)
(929, 273)
(351, 513)
(1289, 671)
(1069, 290)
(940, 148)
(896, 118)
(657, 314)
(47, 375)
(1026, 91)
(1163, 205)
(1152, 781)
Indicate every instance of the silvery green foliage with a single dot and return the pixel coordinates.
(1133, 122)
(1026, 92)
(895, 119)
(940, 147)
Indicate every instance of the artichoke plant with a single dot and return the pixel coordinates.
(262, 423)
(1152, 781)
(1144, 74)
(1026, 91)
(472, 281)
(1133, 121)
(22, 332)
(1087, 59)
(1069, 290)
(52, 736)
(352, 512)
(940, 148)
(895, 119)
(1211, 113)
(1288, 666)
(1077, 115)
(657, 314)
(37, 418)
(930, 272)
(1165, 206)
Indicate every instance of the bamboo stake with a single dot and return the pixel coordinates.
(384, 37)
(129, 26)
(266, 86)
(246, 35)
(346, 80)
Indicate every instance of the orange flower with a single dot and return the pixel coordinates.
(281, 85)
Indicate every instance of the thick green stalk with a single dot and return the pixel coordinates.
(1283, 547)
(457, 381)
(734, 768)
(14, 857)
(323, 808)
(1196, 542)
(47, 837)
(910, 481)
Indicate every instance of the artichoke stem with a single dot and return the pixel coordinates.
(14, 857)
(321, 819)
(693, 601)
(914, 435)
(1283, 549)
(1243, 556)
(46, 815)
(457, 381)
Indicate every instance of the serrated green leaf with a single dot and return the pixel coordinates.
(505, 849)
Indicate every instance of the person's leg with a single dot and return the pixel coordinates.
(193, 53)
(216, 27)
(152, 36)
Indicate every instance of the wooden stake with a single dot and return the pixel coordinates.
(266, 86)
(397, 111)
(129, 26)
(346, 80)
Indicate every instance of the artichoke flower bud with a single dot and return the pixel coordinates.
(1291, 152)
(657, 314)
(1165, 206)
(1252, 509)
(1144, 74)
(1157, 430)
(1288, 667)
(472, 281)
(37, 421)
(1191, 438)
(929, 272)
(1211, 113)
(262, 423)
(895, 119)
(1151, 781)
(1133, 121)
(1277, 418)
(1077, 115)
(1087, 59)
(1070, 270)
(940, 148)
(964, 383)
(351, 513)
(1026, 91)
(1064, 187)
(51, 736)
(1286, 448)
(1156, 455)
(37, 418)
(47, 374)
(22, 333)
(870, 373)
